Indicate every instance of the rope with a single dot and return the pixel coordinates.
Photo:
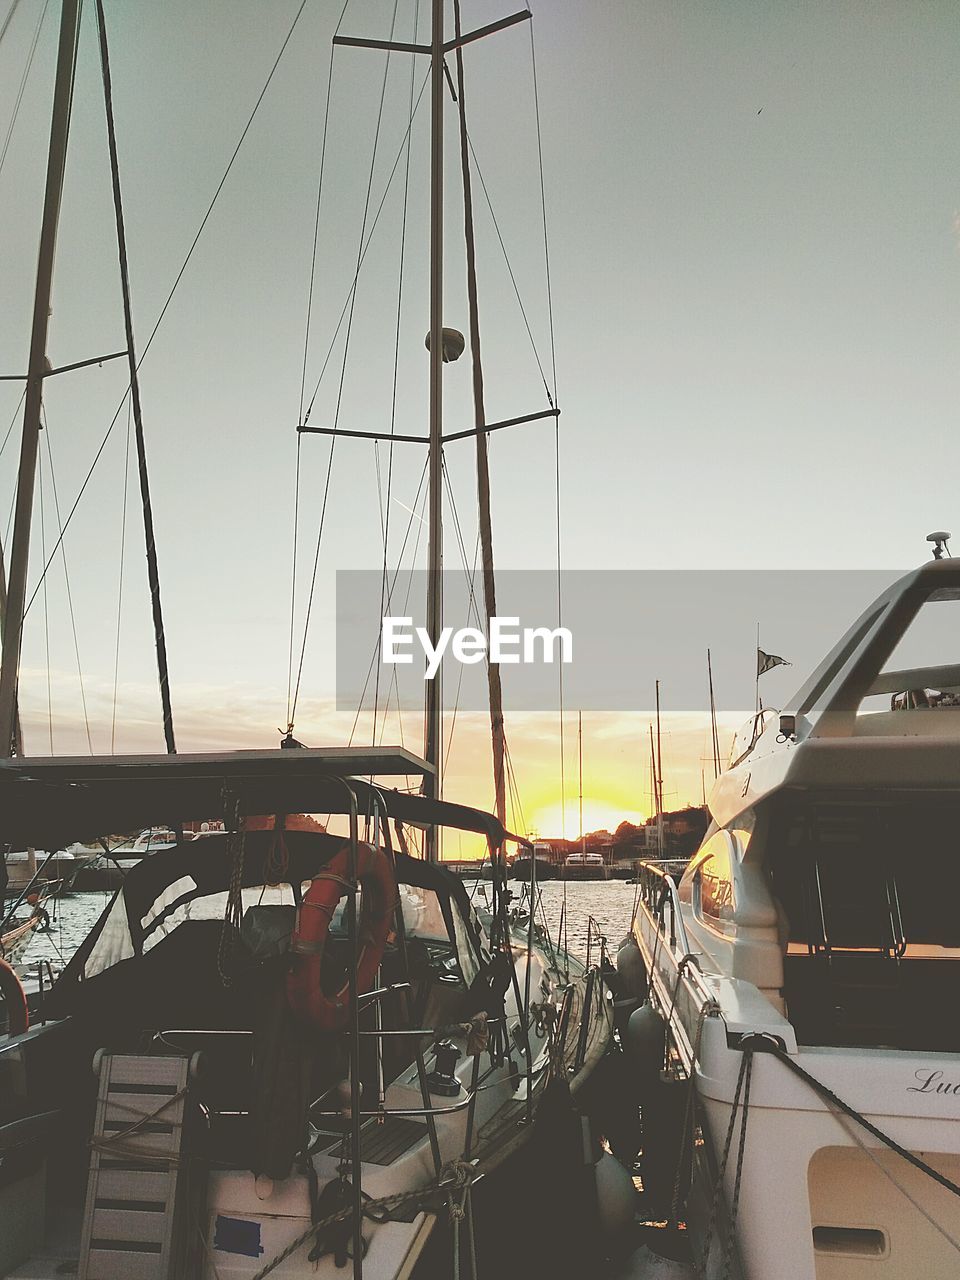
(762, 1044)
(114, 1143)
(742, 1090)
(452, 1178)
(871, 1154)
(708, 1009)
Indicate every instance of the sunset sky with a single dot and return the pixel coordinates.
(754, 220)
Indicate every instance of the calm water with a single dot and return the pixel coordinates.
(609, 902)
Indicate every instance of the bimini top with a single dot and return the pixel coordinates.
(48, 803)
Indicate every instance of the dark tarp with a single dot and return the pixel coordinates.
(49, 803)
(183, 966)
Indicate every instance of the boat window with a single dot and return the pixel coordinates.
(422, 914)
(829, 673)
(715, 881)
(923, 671)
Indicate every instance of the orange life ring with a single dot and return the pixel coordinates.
(15, 1000)
(306, 995)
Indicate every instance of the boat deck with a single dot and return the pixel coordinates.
(59, 1254)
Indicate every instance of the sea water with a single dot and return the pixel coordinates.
(610, 903)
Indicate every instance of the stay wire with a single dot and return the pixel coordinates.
(386, 505)
(316, 224)
(123, 545)
(7, 20)
(373, 227)
(361, 252)
(303, 373)
(550, 394)
(46, 611)
(66, 578)
(376, 648)
(169, 299)
(13, 420)
(24, 77)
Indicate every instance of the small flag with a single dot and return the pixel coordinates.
(767, 661)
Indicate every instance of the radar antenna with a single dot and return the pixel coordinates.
(940, 540)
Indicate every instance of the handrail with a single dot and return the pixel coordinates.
(657, 889)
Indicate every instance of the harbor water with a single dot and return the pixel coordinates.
(609, 903)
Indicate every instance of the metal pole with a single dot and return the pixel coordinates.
(17, 731)
(433, 747)
(495, 692)
(20, 554)
(583, 834)
(714, 735)
(153, 574)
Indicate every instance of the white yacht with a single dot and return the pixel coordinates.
(804, 971)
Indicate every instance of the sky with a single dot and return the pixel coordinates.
(754, 243)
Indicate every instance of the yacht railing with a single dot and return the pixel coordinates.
(657, 890)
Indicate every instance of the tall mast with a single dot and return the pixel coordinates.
(433, 716)
(17, 731)
(583, 834)
(494, 689)
(20, 551)
(714, 735)
(659, 777)
(153, 573)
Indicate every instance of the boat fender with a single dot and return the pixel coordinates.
(631, 972)
(14, 1000)
(645, 1040)
(307, 996)
(616, 1203)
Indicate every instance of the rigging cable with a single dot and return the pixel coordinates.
(123, 545)
(556, 433)
(46, 612)
(385, 504)
(376, 648)
(173, 289)
(364, 242)
(303, 373)
(66, 578)
(6, 22)
(23, 79)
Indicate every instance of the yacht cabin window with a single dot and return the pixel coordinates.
(713, 881)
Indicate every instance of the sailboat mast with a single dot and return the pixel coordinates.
(583, 836)
(494, 688)
(30, 441)
(17, 731)
(659, 777)
(714, 736)
(433, 716)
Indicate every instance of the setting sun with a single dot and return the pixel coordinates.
(598, 815)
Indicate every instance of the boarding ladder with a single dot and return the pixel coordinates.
(137, 1215)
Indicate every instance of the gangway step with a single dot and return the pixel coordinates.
(137, 1214)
